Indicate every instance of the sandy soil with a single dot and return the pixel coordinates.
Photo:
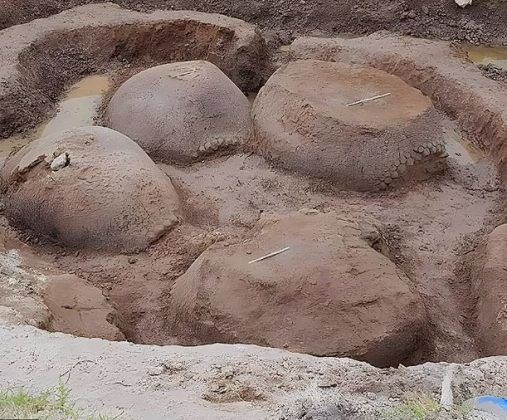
(229, 382)
(488, 281)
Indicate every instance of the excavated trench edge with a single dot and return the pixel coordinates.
(41, 58)
(30, 86)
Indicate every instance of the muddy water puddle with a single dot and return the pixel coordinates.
(488, 55)
(463, 150)
(80, 105)
(78, 108)
(460, 149)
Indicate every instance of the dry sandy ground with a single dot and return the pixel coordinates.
(227, 382)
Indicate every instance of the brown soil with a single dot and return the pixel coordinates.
(429, 229)
(489, 279)
(484, 21)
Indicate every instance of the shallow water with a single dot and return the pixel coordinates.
(488, 55)
(80, 105)
(97, 84)
(459, 148)
(463, 150)
(78, 108)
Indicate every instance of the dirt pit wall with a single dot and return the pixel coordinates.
(483, 21)
(307, 119)
(41, 58)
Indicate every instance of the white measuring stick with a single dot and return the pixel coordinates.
(269, 255)
(373, 98)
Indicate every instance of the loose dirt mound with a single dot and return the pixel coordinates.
(331, 293)
(490, 286)
(303, 122)
(181, 111)
(89, 187)
(80, 309)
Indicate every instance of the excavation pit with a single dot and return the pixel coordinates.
(101, 38)
(425, 228)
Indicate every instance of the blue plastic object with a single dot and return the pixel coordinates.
(492, 405)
